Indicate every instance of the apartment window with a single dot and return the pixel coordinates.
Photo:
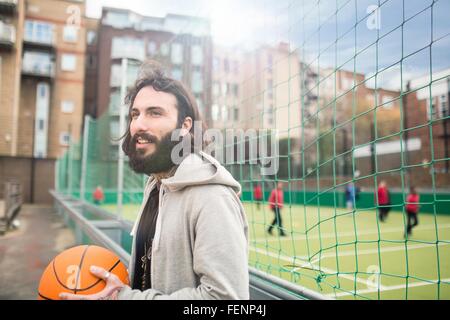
(215, 112)
(236, 67)
(177, 74)
(37, 31)
(197, 55)
(197, 82)
(177, 53)
(236, 113)
(226, 65)
(114, 102)
(270, 89)
(91, 37)
(199, 104)
(236, 90)
(151, 48)
(114, 129)
(269, 62)
(164, 49)
(64, 138)
(443, 106)
(41, 124)
(68, 62)
(70, 33)
(216, 64)
(127, 47)
(67, 106)
(91, 61)
(224, 89)
(216, 89)
(224, 113)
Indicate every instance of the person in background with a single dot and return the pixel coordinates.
(384, 200)
(257, 195)
(98, 195)
(412, 209)
(276, 204)
(350, 196)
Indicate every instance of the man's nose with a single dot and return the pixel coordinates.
(139, 125)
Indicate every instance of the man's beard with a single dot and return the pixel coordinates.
(158, 161)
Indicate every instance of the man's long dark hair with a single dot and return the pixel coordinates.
(152, 74)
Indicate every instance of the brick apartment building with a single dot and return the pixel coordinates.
(42, 89)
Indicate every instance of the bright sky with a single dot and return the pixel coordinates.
(250, 22)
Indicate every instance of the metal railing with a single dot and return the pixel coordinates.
(262, 285)
(7, 33)
(13, 203)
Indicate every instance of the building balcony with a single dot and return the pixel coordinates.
(35, 67)
(8, 6)
(39, 35)
(7, 35)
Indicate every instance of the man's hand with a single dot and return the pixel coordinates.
(113, 286)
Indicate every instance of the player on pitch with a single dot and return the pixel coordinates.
(190, 238)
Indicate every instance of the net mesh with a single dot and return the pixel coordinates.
(356, 93)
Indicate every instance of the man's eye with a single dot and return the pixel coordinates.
(134, 115)
(155, 113)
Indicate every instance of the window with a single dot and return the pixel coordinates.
(443, 106)
(41, 125)
(70, 33)
(68, 62)
(91, 37)
(224, 89)
(197, 55)
(236, 90)
(224, 113)
(236, 113)
(114, 129)
(67, 106)
(216, 64)
(269, 62)
(127, 47)
(64, 138)
(164, 49)
(37, 31)
(177, 74)
(270, 89)
(177, 53)
(215, 112)
(216, 89)
(197, 82)
(226, 65)
(91, 61)
(151, 48)
(236, 67)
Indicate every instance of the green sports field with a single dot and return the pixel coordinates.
(350, 255)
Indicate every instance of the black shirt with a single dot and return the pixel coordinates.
(144, 239)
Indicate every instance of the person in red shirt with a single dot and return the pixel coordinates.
(276, 204)
(412, 209)
(384, 201)
(98, 195)
(257, 195)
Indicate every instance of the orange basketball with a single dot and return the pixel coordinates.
(69, 272)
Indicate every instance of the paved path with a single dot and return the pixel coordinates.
(25, 252)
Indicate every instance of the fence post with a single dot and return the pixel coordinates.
(87, 119)
(123, 88)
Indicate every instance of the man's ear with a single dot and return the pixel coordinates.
(186, 126)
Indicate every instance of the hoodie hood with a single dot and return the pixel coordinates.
(194, 170)
(200, 169)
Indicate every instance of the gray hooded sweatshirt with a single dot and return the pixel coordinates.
(200, 247)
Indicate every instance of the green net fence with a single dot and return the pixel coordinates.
(355, 95)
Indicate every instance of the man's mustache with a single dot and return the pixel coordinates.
(145, 136)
